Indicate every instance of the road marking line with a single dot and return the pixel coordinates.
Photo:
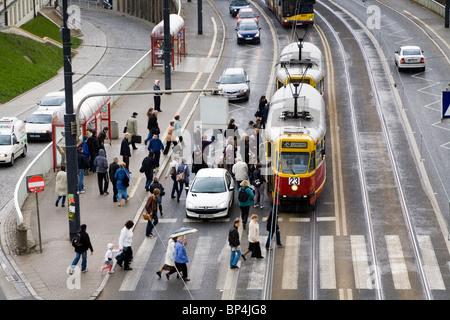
(360, 262)
(199, 263)
(140, 259)
(397, 262)
(327, 263)
(256, 279)
(290, 264)
(430, 262)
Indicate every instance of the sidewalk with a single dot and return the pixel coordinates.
(45, 274)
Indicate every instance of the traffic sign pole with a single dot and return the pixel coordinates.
(36, 184)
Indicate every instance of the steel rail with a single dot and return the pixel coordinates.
(403, 201)
(364, 191)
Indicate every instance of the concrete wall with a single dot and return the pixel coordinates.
(433, 6)
(150, 10)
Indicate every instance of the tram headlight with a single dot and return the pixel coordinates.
(294, 187)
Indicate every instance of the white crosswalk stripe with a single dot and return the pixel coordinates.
(431, 265)
(140, 259)
(199, 262)
(397, 262)
(327, 263)
(360, 262)
(290, 263)
(256, 279)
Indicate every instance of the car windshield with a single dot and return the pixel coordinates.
(40, 118)
(52, 101)
(246, 15)
(240, 3)
(5, 140)
(411, 52)
(232, 79)
(248, 25)
(294, 162)
(209, 185)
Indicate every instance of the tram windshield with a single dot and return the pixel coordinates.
(291, 8)
(294, 162)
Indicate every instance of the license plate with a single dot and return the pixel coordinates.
(34, 136)
(203, 216)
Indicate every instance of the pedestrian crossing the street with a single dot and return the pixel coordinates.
(209, 259)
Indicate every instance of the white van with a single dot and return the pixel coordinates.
(13, 139)
(39, 125)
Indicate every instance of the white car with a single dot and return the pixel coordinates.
(407, 57)
(211, 194)
(235, 84)
(39, 125)
(52, 100)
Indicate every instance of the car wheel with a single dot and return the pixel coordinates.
(12, 160)
(24, 153)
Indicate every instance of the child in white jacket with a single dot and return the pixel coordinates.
(109, 255)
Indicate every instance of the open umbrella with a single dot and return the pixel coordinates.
(183, 231)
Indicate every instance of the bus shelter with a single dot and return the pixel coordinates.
(94, 114)
(178, 41)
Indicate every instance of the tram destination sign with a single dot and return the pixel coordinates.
(294, 144)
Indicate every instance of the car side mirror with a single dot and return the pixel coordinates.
(396, 52)
(236, 29)
(259, 28)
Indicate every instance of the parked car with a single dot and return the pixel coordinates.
(211, 194)
(236, 5)
(234, 83)
(39, 125)
(248, 31)
(247, 13)
(407, 57)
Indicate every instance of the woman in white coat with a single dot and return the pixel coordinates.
(169, 262)
(61, 186)
(125, 240)
(253, 238)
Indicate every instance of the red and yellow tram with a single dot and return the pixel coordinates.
(295, 132)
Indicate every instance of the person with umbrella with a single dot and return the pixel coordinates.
(181, 258)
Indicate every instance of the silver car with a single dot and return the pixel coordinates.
(408, 57)
(234, 84)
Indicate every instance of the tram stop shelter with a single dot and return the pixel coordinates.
(178, 39)
(94, 114)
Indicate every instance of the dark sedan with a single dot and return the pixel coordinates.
(248, 31)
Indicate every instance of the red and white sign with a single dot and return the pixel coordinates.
(36, 184)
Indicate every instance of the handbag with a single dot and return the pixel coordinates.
(125, 129)
(136, 139)
(180, 176)
(147, 216)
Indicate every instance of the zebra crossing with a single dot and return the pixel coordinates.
(210, 256)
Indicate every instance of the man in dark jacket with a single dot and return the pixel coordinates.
(125, 151)
(235, 244)
(102, 172)
(153, 125)
(82, 166)
(81, 242)
(94, 147)
(112, 172)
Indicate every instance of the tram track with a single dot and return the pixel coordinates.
(387, 139)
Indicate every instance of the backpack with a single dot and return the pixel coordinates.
(243, 196)
(76, 241)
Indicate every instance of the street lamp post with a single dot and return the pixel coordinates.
(70, 135)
